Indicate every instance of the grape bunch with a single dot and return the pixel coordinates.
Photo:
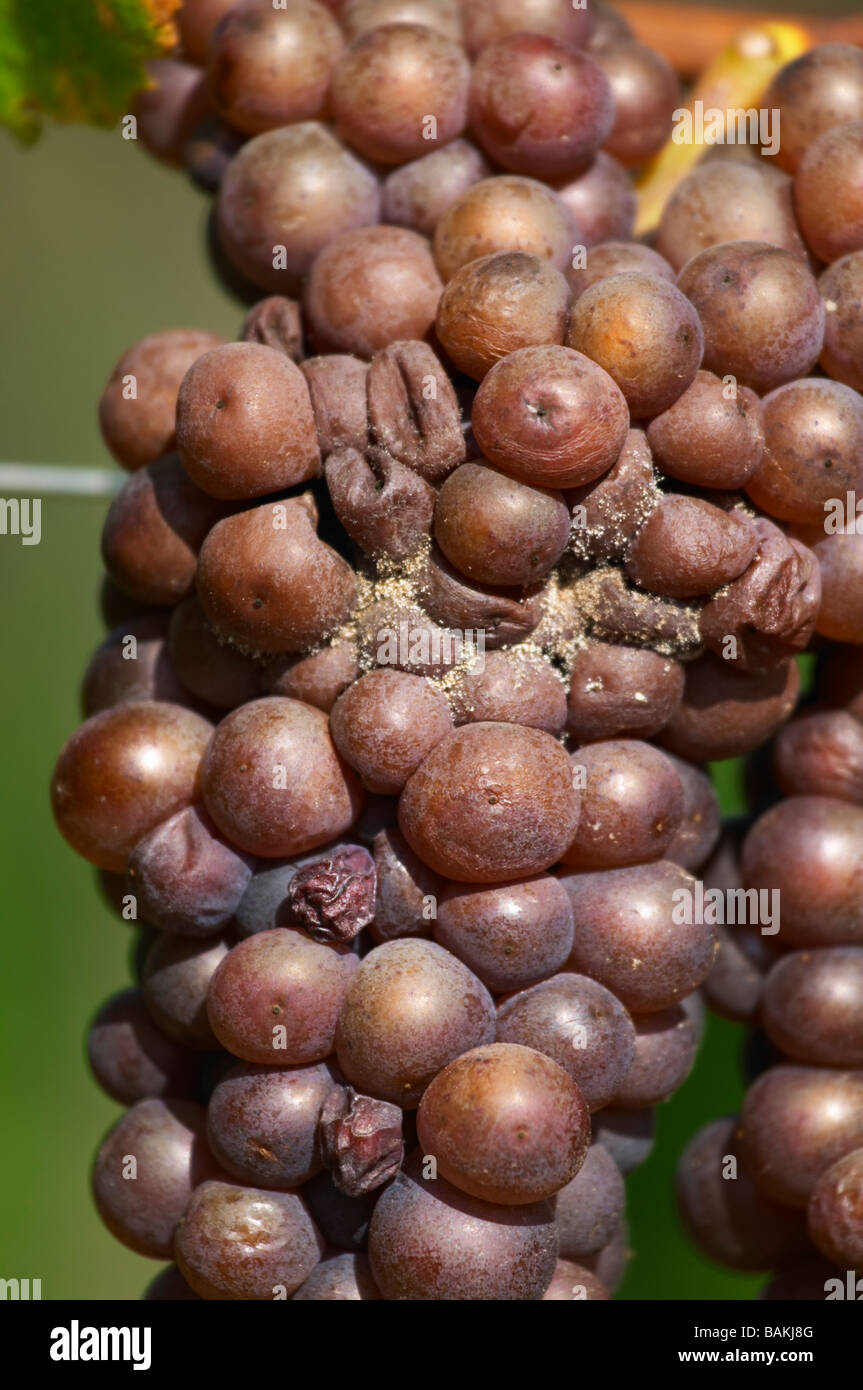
(428, 600)
(797, 1145)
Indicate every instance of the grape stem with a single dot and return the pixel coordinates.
(35, 479)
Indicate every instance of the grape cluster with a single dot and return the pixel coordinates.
(428, 599)
(796, 1148)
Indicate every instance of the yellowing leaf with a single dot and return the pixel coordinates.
(77, 60)
(736, 79)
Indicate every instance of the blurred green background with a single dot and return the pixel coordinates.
(100, 247)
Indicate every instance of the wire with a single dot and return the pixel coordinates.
(60, 480)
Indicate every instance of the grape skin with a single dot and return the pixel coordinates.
(812, 1006)
(275, 997)
(797, 1121)
(589, 1210)
(411, 1008)
(728, 1217)
(429, 1241)
(246, 1243)
(167, 1141)
(132, 1060)
(625, 916)
(505, 1124)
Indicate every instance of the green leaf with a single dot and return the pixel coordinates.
(77, 60)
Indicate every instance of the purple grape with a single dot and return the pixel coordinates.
(410, 1009)
(342, 1220)
(590, 1208)
(132, 1060)
(726, 1215)
(581, 1025)
(665, 1046)
(262, 1122)
(812, 1006)
(428, 1241)
(275, 998)
(796, 1122)
(176, 978)
(341, 1278)
(146, 1170)
(245, 1243)
(186, 877)
(627, 936)
(511, 935)
(627, 1135)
